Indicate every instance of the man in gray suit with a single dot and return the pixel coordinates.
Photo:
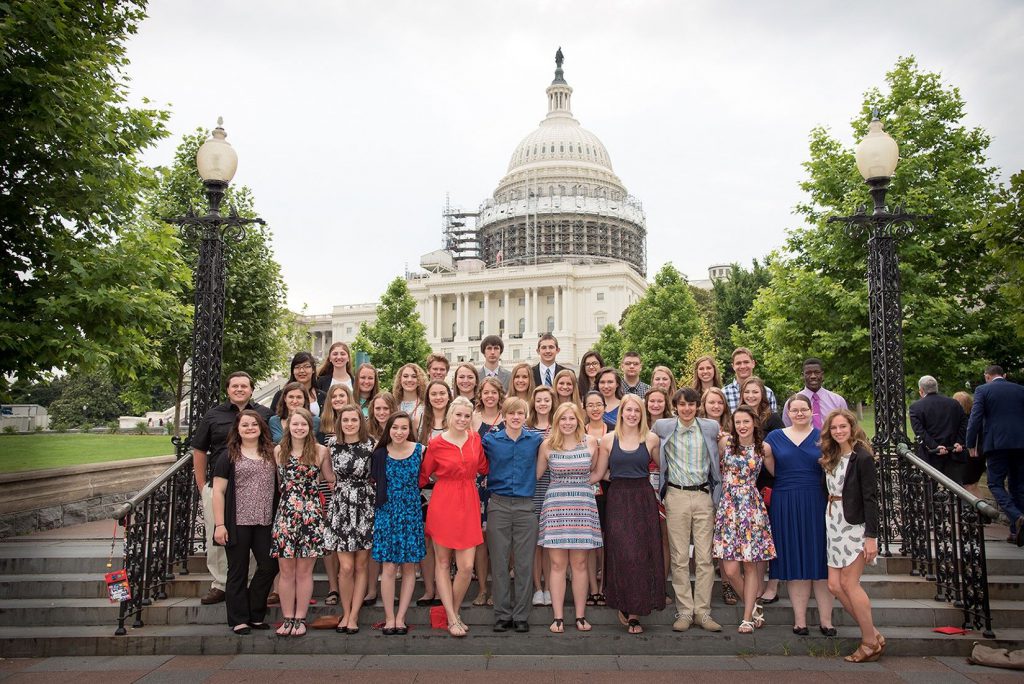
(492, 347)
(691, 485)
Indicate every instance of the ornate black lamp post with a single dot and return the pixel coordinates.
(216, 161)
(877, 155)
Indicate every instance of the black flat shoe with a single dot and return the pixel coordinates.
(259, 625)
(242, 631)
(801, 631)
(367, 602)
(425, 601)
(388, 631)
(828, 631)
(401, 631)
(774, 599)
(341, 629)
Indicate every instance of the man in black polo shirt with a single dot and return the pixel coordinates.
(211, 437)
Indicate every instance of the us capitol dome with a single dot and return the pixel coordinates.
(560, 200)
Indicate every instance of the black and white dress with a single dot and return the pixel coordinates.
(845, 540)
(350, 515)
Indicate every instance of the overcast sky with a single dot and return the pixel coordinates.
(352, 120)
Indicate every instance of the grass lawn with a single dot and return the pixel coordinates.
(37, 451)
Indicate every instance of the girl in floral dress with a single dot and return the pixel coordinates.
(349, 530)
(298, 534)
(743, 535)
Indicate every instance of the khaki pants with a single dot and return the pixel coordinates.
(690, 516)
(216, 558)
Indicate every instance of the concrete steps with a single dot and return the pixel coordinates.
(602, 640)
(53, 602)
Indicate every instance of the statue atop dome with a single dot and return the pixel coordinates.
(559, 58)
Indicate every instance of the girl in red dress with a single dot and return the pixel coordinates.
(454, 459)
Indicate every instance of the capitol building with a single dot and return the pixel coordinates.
(560, 247)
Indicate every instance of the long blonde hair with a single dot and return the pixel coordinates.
(309, 444)
(512, 378)
(555, 440)
(632, 399)
(328, 417)
(831, 450)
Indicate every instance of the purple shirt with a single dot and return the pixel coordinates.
(827, 403)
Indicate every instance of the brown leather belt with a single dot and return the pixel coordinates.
(832, 500)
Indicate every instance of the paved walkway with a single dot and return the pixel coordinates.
(491, 669)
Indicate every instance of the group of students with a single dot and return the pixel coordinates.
(537, 473)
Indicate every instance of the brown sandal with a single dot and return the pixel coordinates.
(865, 653)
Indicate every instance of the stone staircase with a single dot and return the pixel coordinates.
(53, 603)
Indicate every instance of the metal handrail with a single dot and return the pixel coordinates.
(125, 508)
(162, 528)
(975, 502)
(943, 531)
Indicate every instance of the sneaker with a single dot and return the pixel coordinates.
(547, 598)
(709, 624)
(682, 622)
(538, 598)
(214, 596)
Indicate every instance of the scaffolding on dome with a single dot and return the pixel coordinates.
(461, 239)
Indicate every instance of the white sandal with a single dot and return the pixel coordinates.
(746, 627)
(758, 615)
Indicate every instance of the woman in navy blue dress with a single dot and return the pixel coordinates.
(797, 516)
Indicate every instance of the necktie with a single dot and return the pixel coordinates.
(547, 377)
(816, 419)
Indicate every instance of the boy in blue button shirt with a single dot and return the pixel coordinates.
(511, 522)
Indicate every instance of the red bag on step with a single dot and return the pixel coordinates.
(438, 618)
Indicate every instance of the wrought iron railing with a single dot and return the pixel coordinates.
(943, 527)
(162, 528)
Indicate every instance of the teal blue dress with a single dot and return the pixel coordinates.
(398, 524)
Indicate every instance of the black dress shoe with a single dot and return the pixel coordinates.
(801, 631)
(502, 625)
(522, 626)
(828, 631)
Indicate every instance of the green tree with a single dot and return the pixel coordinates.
(397, 336)
(660, 324)
(731, 299)
(816, 303)
(1003, 233)
(256, 323)
(87, 399)
(69, 181)
(610, 345)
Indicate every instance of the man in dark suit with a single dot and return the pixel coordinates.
(998, 412)
(544, 372)
(940, 426)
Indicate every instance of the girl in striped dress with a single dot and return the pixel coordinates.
(569, 524)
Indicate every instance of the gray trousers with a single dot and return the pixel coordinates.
(511, 531)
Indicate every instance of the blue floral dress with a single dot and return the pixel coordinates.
(398, 524)
(742, 530)
(298, 530)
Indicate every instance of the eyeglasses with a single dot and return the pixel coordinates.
(303, 367)
(799, 411)
(592, 364)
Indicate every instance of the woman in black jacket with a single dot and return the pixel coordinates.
(245, 498)
(851, 522)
